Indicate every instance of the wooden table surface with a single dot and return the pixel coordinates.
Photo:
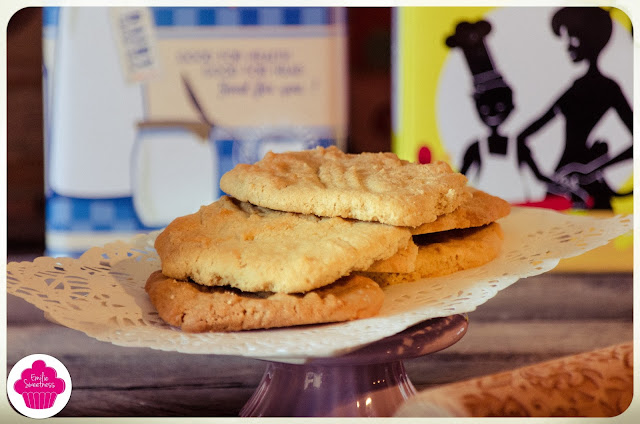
(537, 319)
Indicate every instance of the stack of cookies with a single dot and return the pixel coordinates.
(310, 237)
(465, 238)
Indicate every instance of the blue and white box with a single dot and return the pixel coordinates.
(147, 107)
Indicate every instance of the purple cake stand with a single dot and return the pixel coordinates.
(368, 382)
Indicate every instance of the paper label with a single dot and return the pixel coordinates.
(134, 36)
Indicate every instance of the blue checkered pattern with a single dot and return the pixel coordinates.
(242, 16)
(50, 16)
(226, 16)
(91, 215)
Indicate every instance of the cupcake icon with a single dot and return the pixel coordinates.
(39, 386)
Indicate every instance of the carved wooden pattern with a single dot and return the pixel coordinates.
(593, 384)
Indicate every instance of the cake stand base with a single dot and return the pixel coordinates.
(369, 382)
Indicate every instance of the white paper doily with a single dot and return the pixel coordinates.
(102, 293)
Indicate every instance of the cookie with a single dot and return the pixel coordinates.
(481, 209)
(233, 243)
(367, 186)
(447, 252)
(196, 308)
(403, 261)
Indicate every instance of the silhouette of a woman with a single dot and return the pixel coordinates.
(587, 30)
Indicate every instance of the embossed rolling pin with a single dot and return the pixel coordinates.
(592, 384)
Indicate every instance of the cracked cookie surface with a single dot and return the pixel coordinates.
(367, 186)
(253, 249)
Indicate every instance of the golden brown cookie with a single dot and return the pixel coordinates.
(447, 252)
(481, 209)
(196, 308)
(233, 243)
(367, 186)
(403, 261)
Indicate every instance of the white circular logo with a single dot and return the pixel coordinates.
(39, 386)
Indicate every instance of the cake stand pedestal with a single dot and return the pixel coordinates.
(368, 382)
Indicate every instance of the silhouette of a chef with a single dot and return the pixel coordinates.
(493, 164)
(492, 96)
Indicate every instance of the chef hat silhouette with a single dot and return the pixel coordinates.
(470, 37)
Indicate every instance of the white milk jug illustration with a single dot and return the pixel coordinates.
(93, 109)
(174, 171)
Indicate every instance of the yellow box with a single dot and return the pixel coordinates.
(533, 104)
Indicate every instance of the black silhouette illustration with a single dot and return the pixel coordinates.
(492, 95)
(578, 173)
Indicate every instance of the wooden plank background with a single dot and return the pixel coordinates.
(25, 149)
